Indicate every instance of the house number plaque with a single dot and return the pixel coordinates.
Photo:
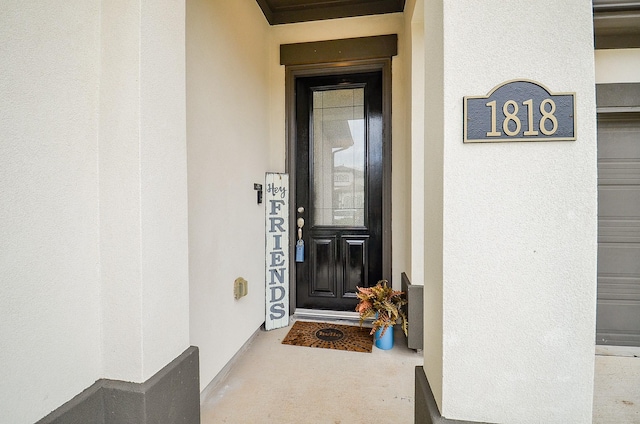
(519, 110)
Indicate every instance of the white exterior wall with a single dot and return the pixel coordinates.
(414, 19)
(519, 221)
(50, 346)
(228, 151)
(119, 184)
(93, 187)
(163, 201)
(143, 187)
(433, 196)
(401, 171)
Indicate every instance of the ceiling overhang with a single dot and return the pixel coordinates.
(289, 11)
(616, 23)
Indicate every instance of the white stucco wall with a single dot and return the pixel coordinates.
(164, 205)
(519, 222)
(414, 19)
(93, 187)
(119, 184)
(228, 113)
(143, 187)
(617, 65)
(401, 144)
(50, 340)
(432, 247)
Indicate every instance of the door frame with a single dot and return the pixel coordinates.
(293, 72)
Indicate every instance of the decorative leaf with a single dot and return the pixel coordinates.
(384, 303)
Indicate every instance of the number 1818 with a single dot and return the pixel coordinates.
(510, 110)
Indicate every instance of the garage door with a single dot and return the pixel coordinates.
(618, 319)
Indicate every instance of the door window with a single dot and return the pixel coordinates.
(339, 157)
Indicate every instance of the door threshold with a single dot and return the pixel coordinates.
(325, 315)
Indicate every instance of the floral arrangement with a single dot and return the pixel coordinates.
(384, 304)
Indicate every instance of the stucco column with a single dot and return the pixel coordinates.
(510, 228)
(143, 187)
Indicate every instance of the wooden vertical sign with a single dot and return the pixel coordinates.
(277, 250)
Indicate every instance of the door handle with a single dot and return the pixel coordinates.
(300, 242)
(300, 223)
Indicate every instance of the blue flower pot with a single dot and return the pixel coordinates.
(384, 342)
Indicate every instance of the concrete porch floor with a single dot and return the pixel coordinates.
(274, 383)
(268, 382)
(616, 397)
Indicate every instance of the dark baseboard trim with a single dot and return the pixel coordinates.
(426, 408)
(171, 396)
(415, 312)
(87, 407)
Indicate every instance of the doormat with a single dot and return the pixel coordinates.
(329, 336)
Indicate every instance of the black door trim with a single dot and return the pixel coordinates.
(363, 48)
(334, 68)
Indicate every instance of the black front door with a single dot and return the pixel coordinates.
(339, 183)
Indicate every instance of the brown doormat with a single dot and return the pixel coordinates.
(329, 336)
